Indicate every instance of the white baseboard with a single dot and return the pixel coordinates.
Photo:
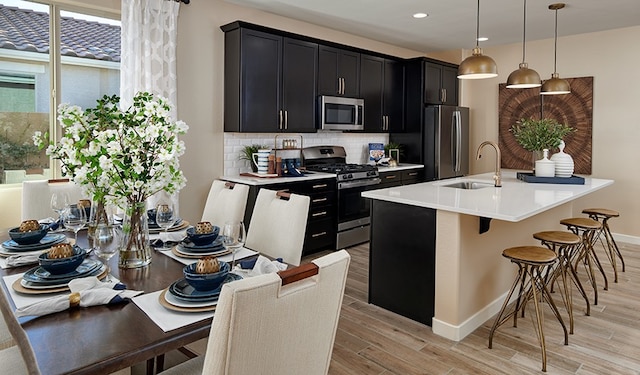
(625, 238)
(459, 332)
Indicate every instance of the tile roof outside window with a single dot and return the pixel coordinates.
(27, 30)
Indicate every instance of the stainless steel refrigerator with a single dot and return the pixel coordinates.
(440, 141)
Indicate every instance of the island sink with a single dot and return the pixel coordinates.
(468, 185)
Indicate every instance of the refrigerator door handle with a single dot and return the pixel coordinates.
(457, 126)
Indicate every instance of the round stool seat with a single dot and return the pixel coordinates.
(582, 223)
(601, 212)
(530, 254)
(559, 237)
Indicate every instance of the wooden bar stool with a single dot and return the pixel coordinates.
(611, 249)
(532, 262)
(565, 245)
(587, 229)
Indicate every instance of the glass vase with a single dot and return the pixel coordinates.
(135, 250)
(100, 215)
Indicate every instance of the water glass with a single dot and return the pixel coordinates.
(74, 218)
(165, 218)
(59, 201)
(234, 237)
(105, 246)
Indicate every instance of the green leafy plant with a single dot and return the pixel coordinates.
(392, 146)
(536, 135)
(247, 151)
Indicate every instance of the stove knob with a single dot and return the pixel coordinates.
(350, 175)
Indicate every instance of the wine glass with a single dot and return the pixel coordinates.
(59, 201)
(74, 218)
(234, 238)
(165, 218)
(104, 245)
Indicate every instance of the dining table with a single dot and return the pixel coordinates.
(105, 338)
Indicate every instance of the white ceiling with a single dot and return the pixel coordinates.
(451, 24)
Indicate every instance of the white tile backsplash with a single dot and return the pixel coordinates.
(355, 144)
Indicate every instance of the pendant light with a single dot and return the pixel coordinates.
(555, 85)
(477, 66)
(523, 78)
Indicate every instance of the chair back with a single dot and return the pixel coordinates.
(278, 225)
(226, 202)
(15, 360)
(264, 327)
(36, 197)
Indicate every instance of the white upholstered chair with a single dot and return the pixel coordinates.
(278, 224)
(36, 197)
(276, 323)
(226, 202)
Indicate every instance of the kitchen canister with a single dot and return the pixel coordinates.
(261, 160)
(544, 166)
(564, 162)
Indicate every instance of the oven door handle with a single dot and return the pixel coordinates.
(359, 183)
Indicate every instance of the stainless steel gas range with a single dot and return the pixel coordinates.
(351, 180)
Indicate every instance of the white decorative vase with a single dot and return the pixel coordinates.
(564, 162)
(544, 166)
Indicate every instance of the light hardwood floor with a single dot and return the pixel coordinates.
(371, 340)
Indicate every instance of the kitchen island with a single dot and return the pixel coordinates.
(435, 251)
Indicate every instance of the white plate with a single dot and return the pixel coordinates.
(176, 302)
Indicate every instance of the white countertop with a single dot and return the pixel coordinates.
(515, 201)
(400, 167)
(277, 180)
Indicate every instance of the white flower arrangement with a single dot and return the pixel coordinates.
(120, 156)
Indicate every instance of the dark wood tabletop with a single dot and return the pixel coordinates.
(101, 339)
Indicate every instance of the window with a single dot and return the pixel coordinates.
(85, 67)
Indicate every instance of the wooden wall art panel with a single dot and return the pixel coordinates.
(574, 109)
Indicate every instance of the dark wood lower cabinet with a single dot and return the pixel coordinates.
(322, 219)
(402, 259)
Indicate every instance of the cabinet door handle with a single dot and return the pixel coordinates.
(339, 85)
(319, 200)
(386, 122)
(280, 122)
(286, 120)
(412, 173)
(319, 186)
(323, 213)
(343, 85)
(391, 177)
(443, 95)
(318, 234)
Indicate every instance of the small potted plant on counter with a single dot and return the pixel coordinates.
(536, 135)
(247, 154)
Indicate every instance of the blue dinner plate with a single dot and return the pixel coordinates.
(40, 276)
(217, 243)
(182, 290)
(153, 225)
(60, 283)
(46, 241)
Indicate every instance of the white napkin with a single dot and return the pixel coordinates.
(263, 265)
(21, 260)
(89, 290)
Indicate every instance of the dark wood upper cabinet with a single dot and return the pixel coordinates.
(382, 88)
(440, 84)
(338, 72)
(270, 82)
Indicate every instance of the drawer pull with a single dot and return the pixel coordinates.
(322, 213)
(412, 173)
(318, 234)
(389, 177)
(319, 200)
(319, 186)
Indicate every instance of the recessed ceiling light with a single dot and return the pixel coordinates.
(420, 15)
(483, 39)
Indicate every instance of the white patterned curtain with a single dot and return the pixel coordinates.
(148, 52)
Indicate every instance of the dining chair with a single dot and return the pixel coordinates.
(12, 357)
(226, 202)
(278, 225)
(36, 197)
(277, 323)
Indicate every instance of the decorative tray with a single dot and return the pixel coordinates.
(530, 177)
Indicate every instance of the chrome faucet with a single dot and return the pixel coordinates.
(497, 176)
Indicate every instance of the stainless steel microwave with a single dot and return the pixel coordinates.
(339, 113)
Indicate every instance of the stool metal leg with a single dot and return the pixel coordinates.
(500, 319)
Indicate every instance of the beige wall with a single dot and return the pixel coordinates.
(607, 56)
